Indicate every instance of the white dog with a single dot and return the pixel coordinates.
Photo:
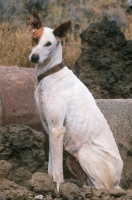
(70, 116)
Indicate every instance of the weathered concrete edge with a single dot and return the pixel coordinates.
(118, 113)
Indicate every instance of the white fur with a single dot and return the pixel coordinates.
(70, 116)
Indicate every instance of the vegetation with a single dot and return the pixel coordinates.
(15, 36)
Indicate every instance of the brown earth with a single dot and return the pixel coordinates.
(23, 170)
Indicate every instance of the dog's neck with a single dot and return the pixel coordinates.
(52, 60)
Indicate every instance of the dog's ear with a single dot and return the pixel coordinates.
(62, 30)
(35, 20)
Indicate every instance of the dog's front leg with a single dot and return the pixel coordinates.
(50, 162)
(56, 135)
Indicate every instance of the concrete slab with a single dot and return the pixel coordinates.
(118, 113)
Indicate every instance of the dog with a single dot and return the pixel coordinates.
(70, 116)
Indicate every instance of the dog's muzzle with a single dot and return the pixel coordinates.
(35, 58)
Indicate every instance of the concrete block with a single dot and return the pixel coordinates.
(118, 113)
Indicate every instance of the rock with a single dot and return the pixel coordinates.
(105, 64)
(99, 192)
(126, 182)
(22, 176)
(5, 167)
(23, 149)
(107, 198)
(14, 191)
(87, 191)
(129, 192)
(95, 198)
(69, 190)
(4, 197)
(17, 105)
(117, 192)
(38, 197)
(42, 183)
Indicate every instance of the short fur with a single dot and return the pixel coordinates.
(70, 116)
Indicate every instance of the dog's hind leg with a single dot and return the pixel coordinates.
(103, 169)
(75, 168)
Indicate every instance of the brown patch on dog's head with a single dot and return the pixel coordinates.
(36, 27)
(36, 36)
(62, 30)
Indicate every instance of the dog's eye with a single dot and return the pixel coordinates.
(48, 44)
(35, 40)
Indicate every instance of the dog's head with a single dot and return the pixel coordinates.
(45, 40)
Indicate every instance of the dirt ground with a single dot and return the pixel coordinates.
(23, 170)
(42, 187)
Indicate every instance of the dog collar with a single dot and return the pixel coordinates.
(56, 68)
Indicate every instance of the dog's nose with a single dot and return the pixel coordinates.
(35, 58)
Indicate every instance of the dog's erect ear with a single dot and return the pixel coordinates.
(35, 21)
(62, 30)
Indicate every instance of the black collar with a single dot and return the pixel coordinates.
(54, 69)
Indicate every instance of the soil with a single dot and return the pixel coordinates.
(23, 170)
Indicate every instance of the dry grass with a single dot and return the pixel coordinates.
(15, 43)
(14, 46)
